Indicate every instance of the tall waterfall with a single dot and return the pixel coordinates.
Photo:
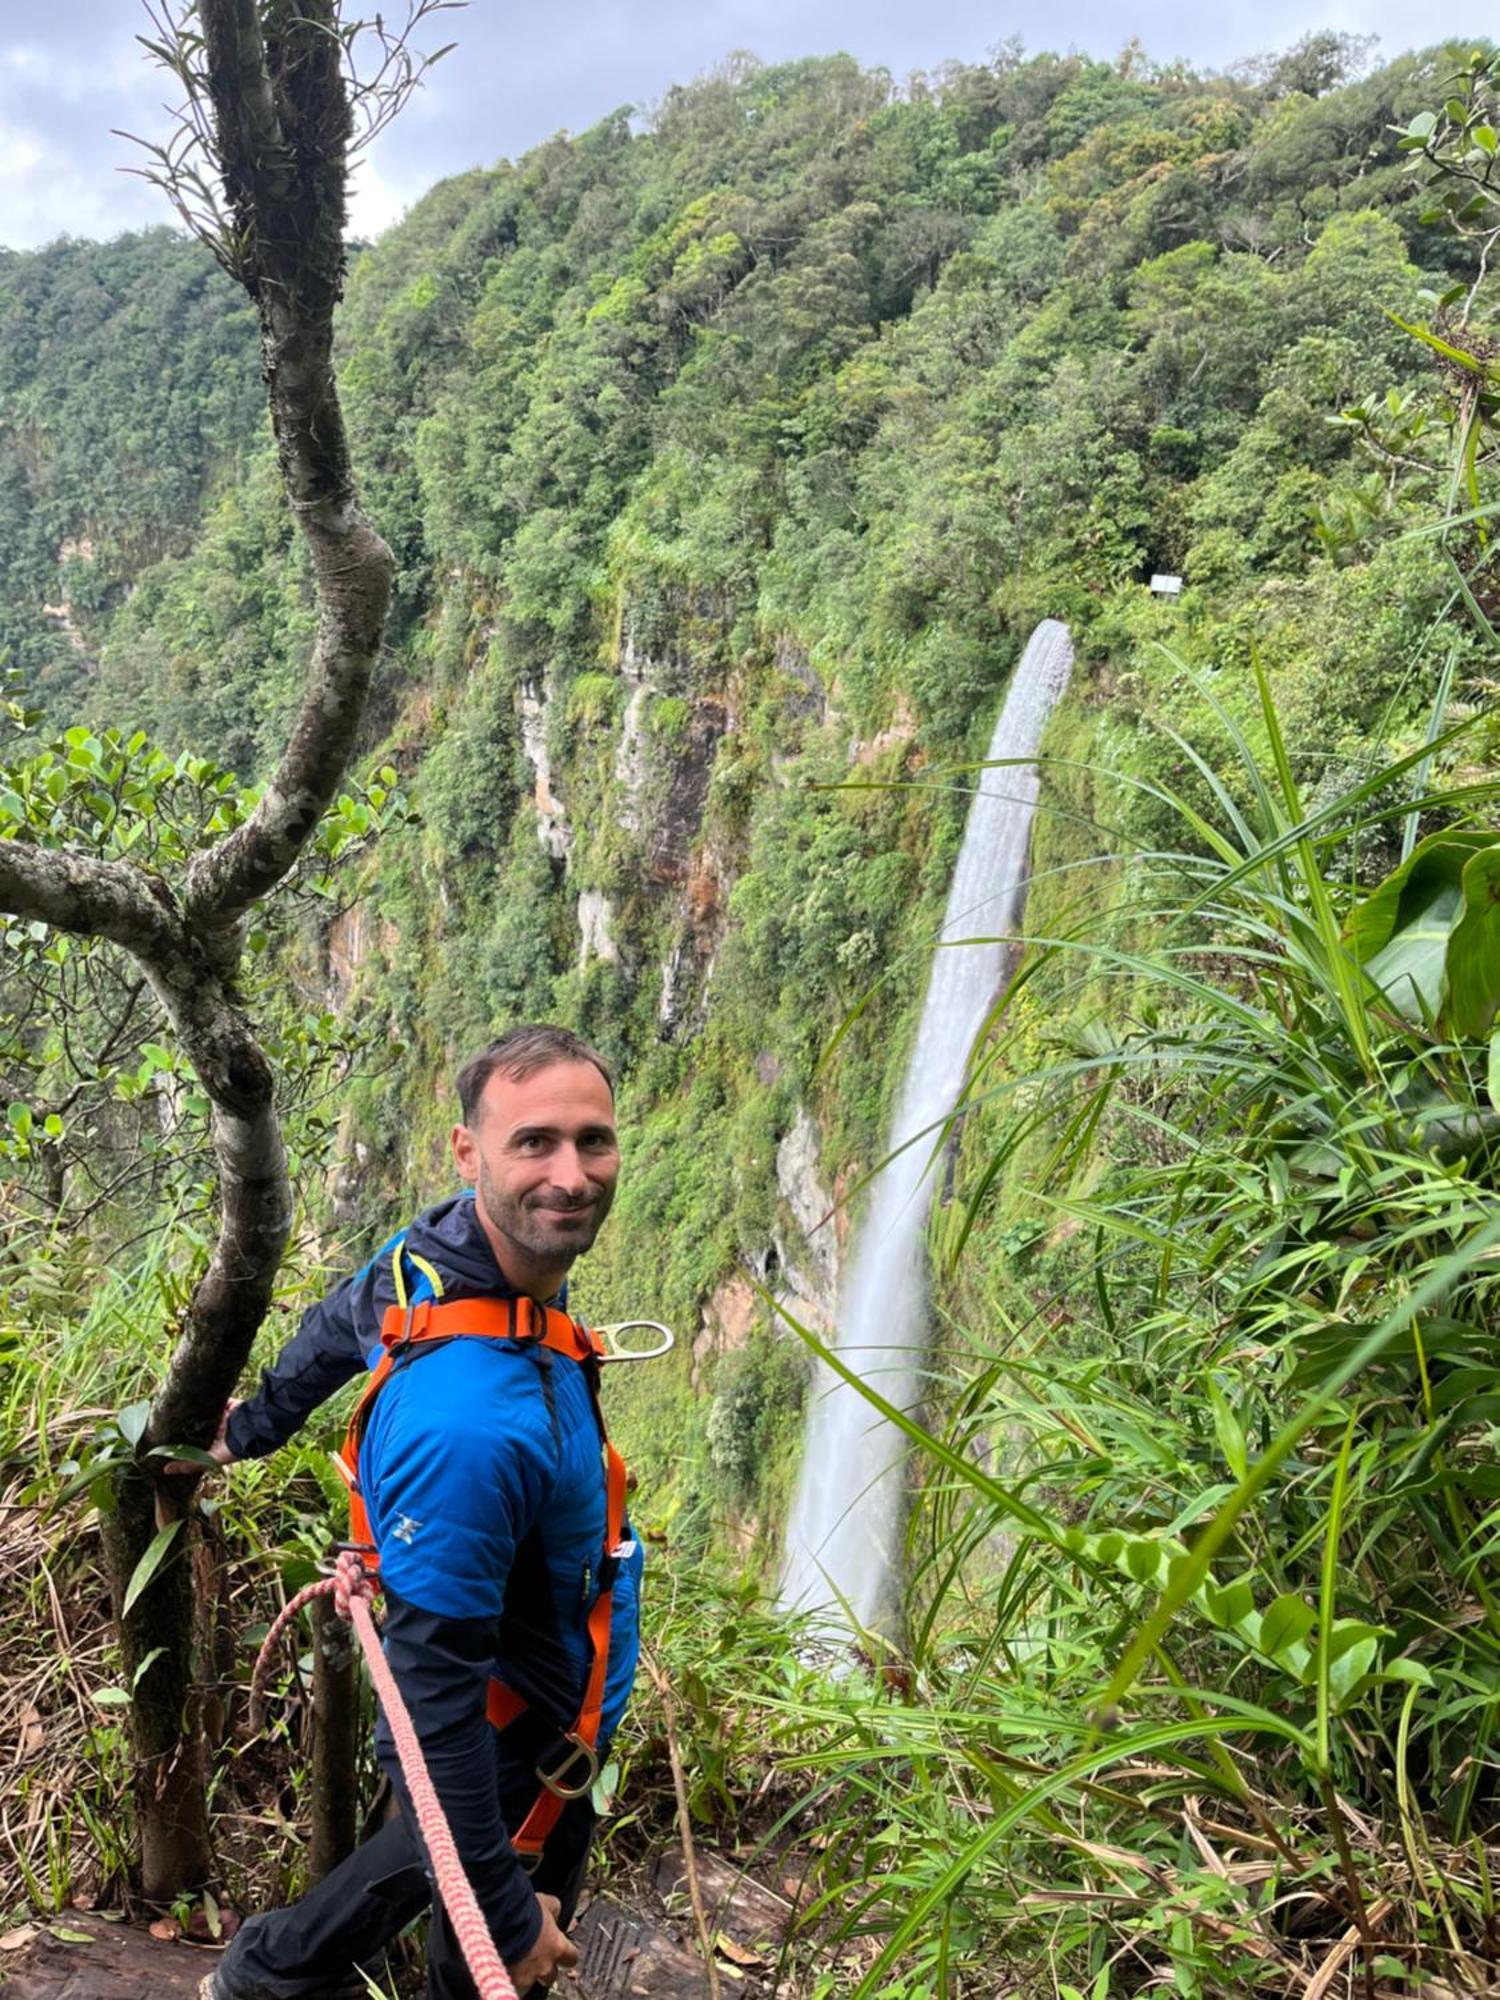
(844, 1535)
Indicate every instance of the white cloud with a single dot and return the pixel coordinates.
(77, 71)
(20, 154)
(374, 203)
(45, 193)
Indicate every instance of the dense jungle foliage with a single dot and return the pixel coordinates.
(729, 457)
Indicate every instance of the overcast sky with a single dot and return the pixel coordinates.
(70, 71)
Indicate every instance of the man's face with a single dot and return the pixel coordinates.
(543, 1157)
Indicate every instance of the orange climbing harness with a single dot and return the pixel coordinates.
(409, 1325)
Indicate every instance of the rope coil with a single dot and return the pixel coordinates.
(352, 1590)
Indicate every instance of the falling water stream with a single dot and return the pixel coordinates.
(844, 1536)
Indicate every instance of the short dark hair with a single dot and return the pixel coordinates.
(519, 1053)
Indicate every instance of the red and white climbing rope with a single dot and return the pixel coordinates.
(352, 1590)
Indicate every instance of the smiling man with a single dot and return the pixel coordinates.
(541, 1152)
(511, 1590)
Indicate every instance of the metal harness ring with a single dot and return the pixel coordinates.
(554, 1778)
(612, 1333)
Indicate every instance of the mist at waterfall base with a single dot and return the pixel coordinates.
(844, 1535)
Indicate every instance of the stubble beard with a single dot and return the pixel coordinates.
(521, 1225)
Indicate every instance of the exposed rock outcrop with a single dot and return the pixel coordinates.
(687, 971)
(901, 730)
(347, 944)
(661, 787)
(61, 613)
(345, 1184)
(632, 754)
(731, 1312)
(811, 1260)
(352, 936)
(596, 938)
(805, 695)
(533, 702)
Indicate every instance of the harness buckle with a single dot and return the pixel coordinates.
(577, 1751)
(409, 1325)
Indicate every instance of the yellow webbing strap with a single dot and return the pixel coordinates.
(398, 1277)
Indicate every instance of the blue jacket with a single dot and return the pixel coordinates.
(481, 1469)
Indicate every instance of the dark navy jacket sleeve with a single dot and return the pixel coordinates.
(330, 1348)
(442, 1666)
(338, 1336)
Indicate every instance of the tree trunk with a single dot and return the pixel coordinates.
(335, 1740)
(269, 106)
(168, 1767)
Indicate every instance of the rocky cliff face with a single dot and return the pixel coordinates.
(533, 711)
(808, 1252)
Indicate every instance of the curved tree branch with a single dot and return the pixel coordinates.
(283, 128)
(354, 571)
(89, 897)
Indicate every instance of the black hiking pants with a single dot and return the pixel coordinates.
(311, 1949)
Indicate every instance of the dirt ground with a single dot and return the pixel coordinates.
(82, 1956)
(627, 1952)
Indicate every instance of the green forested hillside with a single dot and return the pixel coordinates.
(126, 398)
(725, 458)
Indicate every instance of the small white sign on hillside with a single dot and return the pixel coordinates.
(1166, 586)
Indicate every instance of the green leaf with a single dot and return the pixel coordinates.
(1285, 1626)
(1435, 863)
(1472, 965)
(1461, 358)
(190, 1454)
(1142, 1558)
(1230, 1604)
(1400, 931)
(1351, 1653)
(1411, 1671)
(1228, 1430)
(132, 1421)
(111, 1698)
(85, 1477)
(141, 1671)
(149, 1564)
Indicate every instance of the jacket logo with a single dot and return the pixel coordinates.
(405, 1529)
